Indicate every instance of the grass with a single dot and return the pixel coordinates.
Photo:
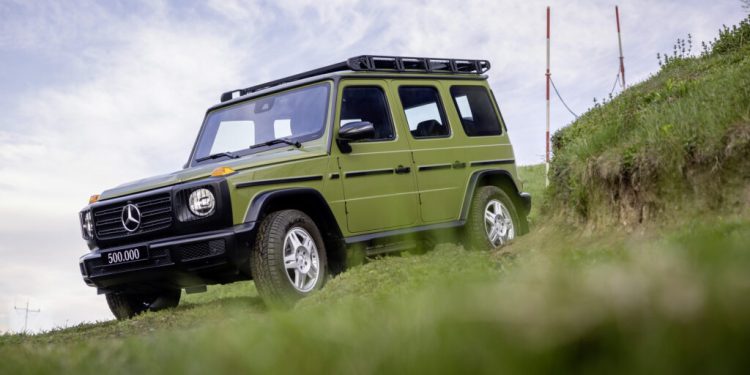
(672, 299)
(532, 177)
(570, 297)
(679, 140)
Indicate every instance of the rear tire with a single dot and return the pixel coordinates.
(127, 305)
(289, 259)
(493, 220)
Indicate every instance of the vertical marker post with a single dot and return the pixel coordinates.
(619, 40)
(26, 310)
(546, 170)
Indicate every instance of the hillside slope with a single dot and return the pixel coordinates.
(557, 300)
(678, 142)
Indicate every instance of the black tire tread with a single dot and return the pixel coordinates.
(127, 305)
(266, 261)
(476, 238)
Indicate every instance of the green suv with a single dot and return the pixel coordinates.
(289, 180)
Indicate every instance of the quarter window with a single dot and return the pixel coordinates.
(367, 104)
(478, 116)
(424, 113)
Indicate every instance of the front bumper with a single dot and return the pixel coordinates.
(174, 262)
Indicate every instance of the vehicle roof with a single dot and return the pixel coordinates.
(344, 75)
(368, 66)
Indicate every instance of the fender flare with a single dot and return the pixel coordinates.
(314, 205)
(523, 200)
(266, 198)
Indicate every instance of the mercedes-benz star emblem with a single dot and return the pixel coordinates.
(131, 218)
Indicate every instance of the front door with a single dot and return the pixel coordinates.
(378, 175)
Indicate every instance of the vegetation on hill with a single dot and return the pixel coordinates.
(678, 141)
(557, 300)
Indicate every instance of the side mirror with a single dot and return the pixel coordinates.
(354, 131)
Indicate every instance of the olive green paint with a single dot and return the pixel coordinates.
(366, 203)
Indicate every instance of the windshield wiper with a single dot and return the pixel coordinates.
(277, 141)
(218, 155)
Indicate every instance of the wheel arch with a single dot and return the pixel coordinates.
(313, 204)
(504, 180)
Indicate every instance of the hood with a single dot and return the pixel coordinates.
(203, 171)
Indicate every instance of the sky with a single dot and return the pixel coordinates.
(95, 94)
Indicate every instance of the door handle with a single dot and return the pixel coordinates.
(402, 170)
(457, 164)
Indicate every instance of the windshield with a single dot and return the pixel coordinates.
(297, 116)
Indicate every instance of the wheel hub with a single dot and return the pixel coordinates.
(304, 260)
(301, 259)
(498, 223)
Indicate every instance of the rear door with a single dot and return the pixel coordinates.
(439, 158)
(378, 176)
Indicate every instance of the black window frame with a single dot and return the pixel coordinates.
(493, 104)
(389, 114)
(441, 110)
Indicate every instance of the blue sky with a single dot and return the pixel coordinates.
(97, 94)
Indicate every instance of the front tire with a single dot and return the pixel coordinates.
(127, 305)
(493, 220)
(289, 259)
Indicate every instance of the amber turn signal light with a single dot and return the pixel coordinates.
(93, 198)
(222, 171)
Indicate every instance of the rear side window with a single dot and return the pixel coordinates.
(367, 104)
(474, 105)
(424, 113)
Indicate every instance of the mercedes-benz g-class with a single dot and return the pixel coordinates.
(285, 176)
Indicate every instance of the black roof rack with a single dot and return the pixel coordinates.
(392, 64)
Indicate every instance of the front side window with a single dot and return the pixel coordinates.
(367, 103)
(474, 105)
(297, 115)
(424, 113)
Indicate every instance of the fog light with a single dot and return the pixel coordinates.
(202, 202)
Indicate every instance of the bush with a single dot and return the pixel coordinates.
(732, 39)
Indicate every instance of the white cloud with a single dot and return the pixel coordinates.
(139, 77)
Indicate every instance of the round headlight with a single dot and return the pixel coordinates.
(202, 202)
(88, 225)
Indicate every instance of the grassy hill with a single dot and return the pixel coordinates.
(679, 141)
(556, 300)
(667, 292)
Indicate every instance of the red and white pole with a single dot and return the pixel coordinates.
(619, 40)
(546, 170)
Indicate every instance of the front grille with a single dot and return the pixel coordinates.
(156, 214)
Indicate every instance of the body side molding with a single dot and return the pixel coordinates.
(274, 181)
(370, 172)
(493, 162)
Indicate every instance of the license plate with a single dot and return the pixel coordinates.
(126, 255)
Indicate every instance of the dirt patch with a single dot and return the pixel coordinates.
(737, 141)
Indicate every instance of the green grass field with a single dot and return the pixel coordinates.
(669, 293)
(559, 299)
